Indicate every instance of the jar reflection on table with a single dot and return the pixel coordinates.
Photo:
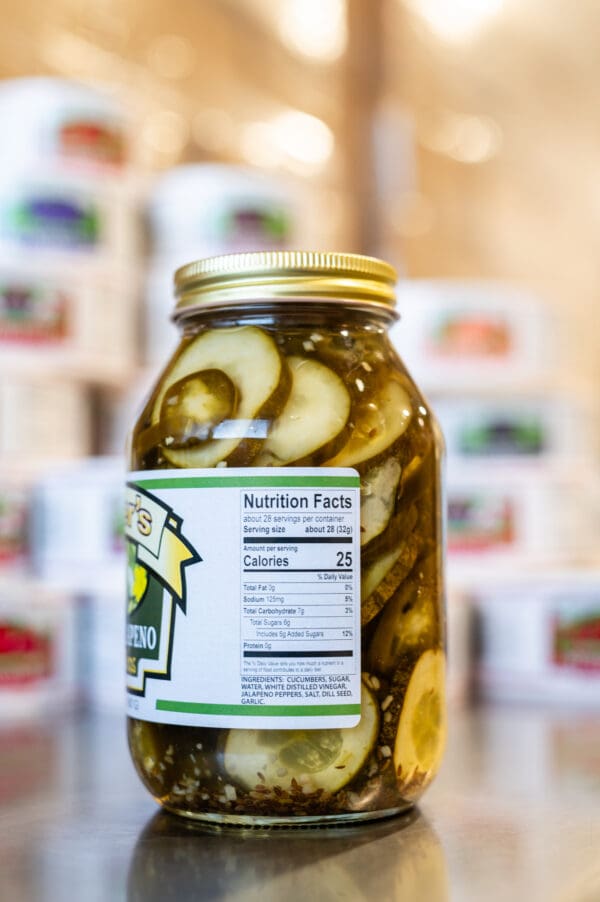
(178, 859)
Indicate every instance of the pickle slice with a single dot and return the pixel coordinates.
(378, 496)
(398, 529)
(374, 574)
(382, 578)
(421, 735)
(378, 423)
(313, 419)
(409, 623)
(250, 361)
(310, 759)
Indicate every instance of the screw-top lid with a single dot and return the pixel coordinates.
(283, 275)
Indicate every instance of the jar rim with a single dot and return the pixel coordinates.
(283, 275)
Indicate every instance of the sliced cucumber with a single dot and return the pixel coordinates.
(377, 498)
(378, 423)
(313, 419)
(398, 529)
(383, 577)
(395, 570)
(375, 574)
(421, 735)
(415, 476)
(248, 358)
(410, 622)
(313, 759)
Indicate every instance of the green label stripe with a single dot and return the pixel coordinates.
(192, 482)
(257, 710)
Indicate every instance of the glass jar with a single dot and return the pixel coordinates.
(285, 635)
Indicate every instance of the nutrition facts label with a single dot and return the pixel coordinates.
(300, 595)
(299, 562)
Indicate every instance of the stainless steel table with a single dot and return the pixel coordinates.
(514, 815)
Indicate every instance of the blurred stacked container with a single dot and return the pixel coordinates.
(204, 210)
(522, 485)
(69, 246)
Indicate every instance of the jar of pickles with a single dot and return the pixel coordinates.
(285, 627)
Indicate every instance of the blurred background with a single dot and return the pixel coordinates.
(458, 140)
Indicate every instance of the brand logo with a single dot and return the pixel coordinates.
(157, 555)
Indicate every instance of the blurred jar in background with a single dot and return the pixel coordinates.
(203, 210)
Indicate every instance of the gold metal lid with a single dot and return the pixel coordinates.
(283, 275)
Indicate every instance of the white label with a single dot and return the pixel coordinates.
(244, 597)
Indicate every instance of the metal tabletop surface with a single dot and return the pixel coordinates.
(514, 815)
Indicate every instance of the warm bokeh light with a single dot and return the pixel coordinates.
(303, 138)
(314, 28)
(292, 140)
(456, 19)
(465, 138)
(258, 145)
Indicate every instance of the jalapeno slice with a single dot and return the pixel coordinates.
(247, 359)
